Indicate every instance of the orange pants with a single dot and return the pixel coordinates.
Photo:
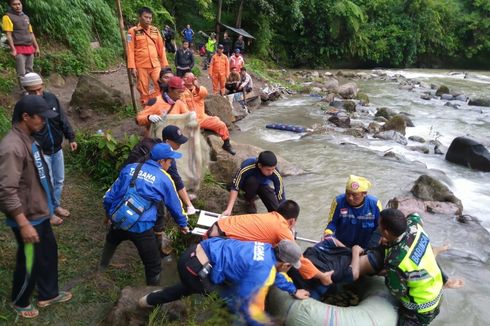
(216, 125)
(143, 83)
(219, 84)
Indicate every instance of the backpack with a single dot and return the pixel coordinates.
(141, 151)
(132, 206)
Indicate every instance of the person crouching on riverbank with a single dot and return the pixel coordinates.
(245, 270)
(255, 178)
(141, 186)
(354, 215)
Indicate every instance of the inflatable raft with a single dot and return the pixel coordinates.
(286, 127)
(375, 308)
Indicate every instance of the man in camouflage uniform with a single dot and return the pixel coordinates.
(412, 273)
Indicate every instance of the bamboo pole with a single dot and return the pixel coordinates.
(220, 4)
(125, 47)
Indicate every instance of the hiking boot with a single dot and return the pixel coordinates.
(227, 147)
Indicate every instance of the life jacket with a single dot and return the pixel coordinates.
(422, 275)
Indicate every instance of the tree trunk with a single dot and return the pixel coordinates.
(239, 15)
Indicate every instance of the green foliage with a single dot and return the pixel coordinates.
(101, 156)
(160, 13)
(65, 63)
(5, 122)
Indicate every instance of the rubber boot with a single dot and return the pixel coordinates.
(227, 147)
(153, 281)
(107, 253)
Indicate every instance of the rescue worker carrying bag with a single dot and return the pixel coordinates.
(132, 206)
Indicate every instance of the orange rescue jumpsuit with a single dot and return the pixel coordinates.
(268, 228)
(146, 54)
(160, 107)
(195, 102)
(218, 71)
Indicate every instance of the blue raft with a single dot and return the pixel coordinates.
(286, 127)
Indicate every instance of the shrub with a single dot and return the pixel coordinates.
(5, 122)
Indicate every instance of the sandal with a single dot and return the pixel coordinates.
(63, 296)
(60, 211)
(56, 220)
(28, 312)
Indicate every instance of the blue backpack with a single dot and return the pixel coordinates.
(132, 206)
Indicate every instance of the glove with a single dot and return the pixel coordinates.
(154, 118)
(193, 115)
(191, 210)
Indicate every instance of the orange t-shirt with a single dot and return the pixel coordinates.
(160, 107)
(267, 227)
(195, 101)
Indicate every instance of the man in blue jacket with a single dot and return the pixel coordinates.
(245, 269)
(354, 215)
(50, 138)
(154, 184)
(255, 178)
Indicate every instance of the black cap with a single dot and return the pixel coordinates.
(173, 133)
(220, 46)
(32, 104)
(267, 158)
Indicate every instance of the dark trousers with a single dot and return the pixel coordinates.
(252, 188)
(148, 251)
(188, 267)
(44, 273)
(181, 72)
(408, 317)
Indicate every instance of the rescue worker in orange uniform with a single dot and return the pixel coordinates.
(194, 96)
(146, 55)
(219, 70)
(168, 103)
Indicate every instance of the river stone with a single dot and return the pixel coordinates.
(381, 119)
(408, 121)
(363, 98)
(480, 102)
(461, 97)
(374, 127)
(426, 96)
(452, 105)
(356, 132)
(421, 149)
(408, 205)
(219, 106)
(385, 112)
(95, 95)
(447, 97)
(331, 84)
(349, 106)
(429, 189)
(226, 165)
(391, 154)
(362, 75)
(315, 90)
(417, 139)
(337, 104)
(348, 91)
(329, 98)
(315, 74)
(396, 123)
(392, 135)
(340, 119)
(442, 90)
(468, 152)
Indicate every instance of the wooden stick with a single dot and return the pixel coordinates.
(124, 44)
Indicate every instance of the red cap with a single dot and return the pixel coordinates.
(176, 82)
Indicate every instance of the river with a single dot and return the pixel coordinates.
(330, 157)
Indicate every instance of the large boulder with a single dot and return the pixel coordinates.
(467, 152)
(331, 84)
(429, 189)
(350, 106)
(341, 119)
(224, 165)
(91, 94)
(480, 102)
(409, 205)
(348, 91)
(396, 123)
(219, 106)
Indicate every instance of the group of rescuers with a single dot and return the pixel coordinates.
(240, 256)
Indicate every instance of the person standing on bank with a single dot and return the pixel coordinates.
(26, 199)
(21, 40)
(146, 55)
(219, 69)
(50, 138)
(184, 59)
(254, 178)
(155, 185)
